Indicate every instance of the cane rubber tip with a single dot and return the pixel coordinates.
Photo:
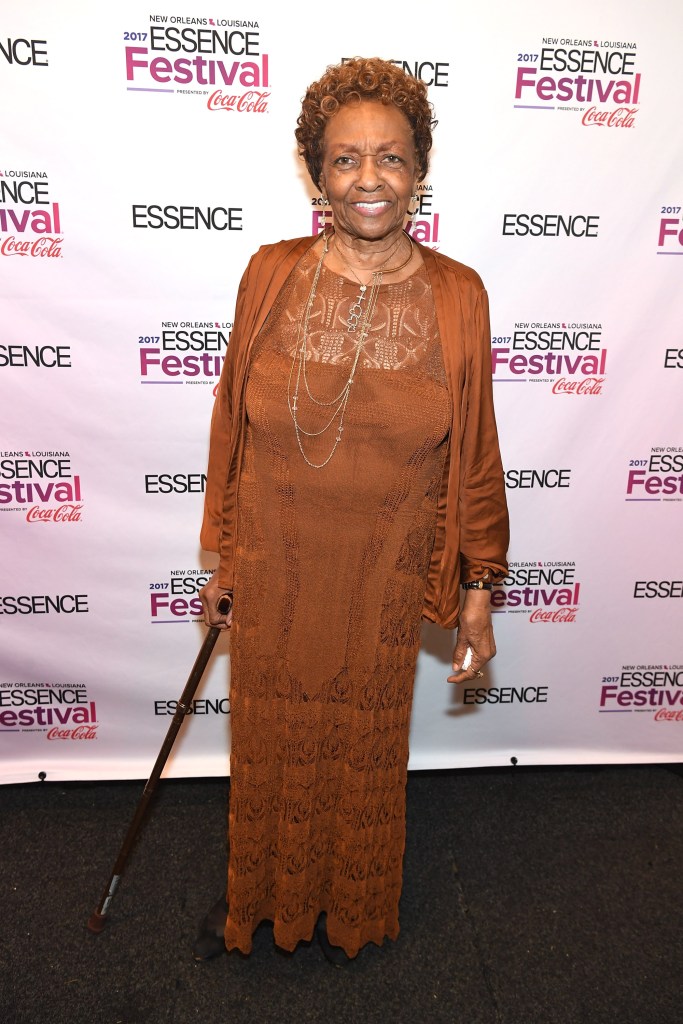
(96, 923)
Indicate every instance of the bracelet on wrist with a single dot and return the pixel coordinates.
(477, 585)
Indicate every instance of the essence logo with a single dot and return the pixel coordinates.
(220, 706)
(525, 479)
(658, 588)
(670, 237)
(657, 689)
(551, 225)
(51, 357)
(673, 359)
(175, 483)
(25, 52)
(581, 75)
(431, 72)
(44, 604)
(657, 478)
(505, 695)
(567, 355)
(188, 218)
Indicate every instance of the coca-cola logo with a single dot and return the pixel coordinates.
(558, 615)
(80, 732)
(251, 102)
(663, 715)
(622, 117)
(587, 386)
(61, 514)
(44, 246)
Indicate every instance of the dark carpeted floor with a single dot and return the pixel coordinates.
(531, 896)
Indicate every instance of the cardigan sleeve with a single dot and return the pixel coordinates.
(261, 282)
(220, 444)
(484, 527)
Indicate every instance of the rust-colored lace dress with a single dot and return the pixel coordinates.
(330, 574)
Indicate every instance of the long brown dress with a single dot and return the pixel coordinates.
(330, 572)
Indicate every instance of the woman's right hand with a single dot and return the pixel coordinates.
(210, 595)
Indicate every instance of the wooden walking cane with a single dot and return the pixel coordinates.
(98, 918)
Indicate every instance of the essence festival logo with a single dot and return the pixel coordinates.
(424, 226)
(547, 592)
(659, 477)
(29, 221)
(598, 80)
(184, 352)
(568, 356)
(61, 711)
(653, 689)
(43, 485)
(176, 600)
(218, 59)
(542, 479)
(670, 237)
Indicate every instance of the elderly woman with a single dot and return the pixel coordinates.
(354, 486)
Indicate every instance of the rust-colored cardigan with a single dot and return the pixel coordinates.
(472, 527)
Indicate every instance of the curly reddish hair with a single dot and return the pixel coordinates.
(358, 79)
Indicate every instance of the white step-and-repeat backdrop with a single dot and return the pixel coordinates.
(145, 152)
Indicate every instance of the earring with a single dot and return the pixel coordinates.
(413, 214)
(324, 201)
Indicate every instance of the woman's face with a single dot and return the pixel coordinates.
(369, 169)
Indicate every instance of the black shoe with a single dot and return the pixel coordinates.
(335, 954)
(210, 942)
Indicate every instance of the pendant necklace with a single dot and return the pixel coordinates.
(361, 316)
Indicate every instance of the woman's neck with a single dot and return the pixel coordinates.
(366, 257)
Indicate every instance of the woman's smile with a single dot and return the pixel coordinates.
(372, 209)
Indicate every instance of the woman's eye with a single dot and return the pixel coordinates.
(343, 161)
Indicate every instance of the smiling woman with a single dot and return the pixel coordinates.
(354, 485)
(369, 173)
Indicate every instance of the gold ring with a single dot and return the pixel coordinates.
(479, 674)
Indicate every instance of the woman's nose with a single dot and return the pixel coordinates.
(369, 178)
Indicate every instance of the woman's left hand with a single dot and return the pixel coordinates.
(475, 630)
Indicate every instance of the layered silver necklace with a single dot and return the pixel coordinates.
(359, 317)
